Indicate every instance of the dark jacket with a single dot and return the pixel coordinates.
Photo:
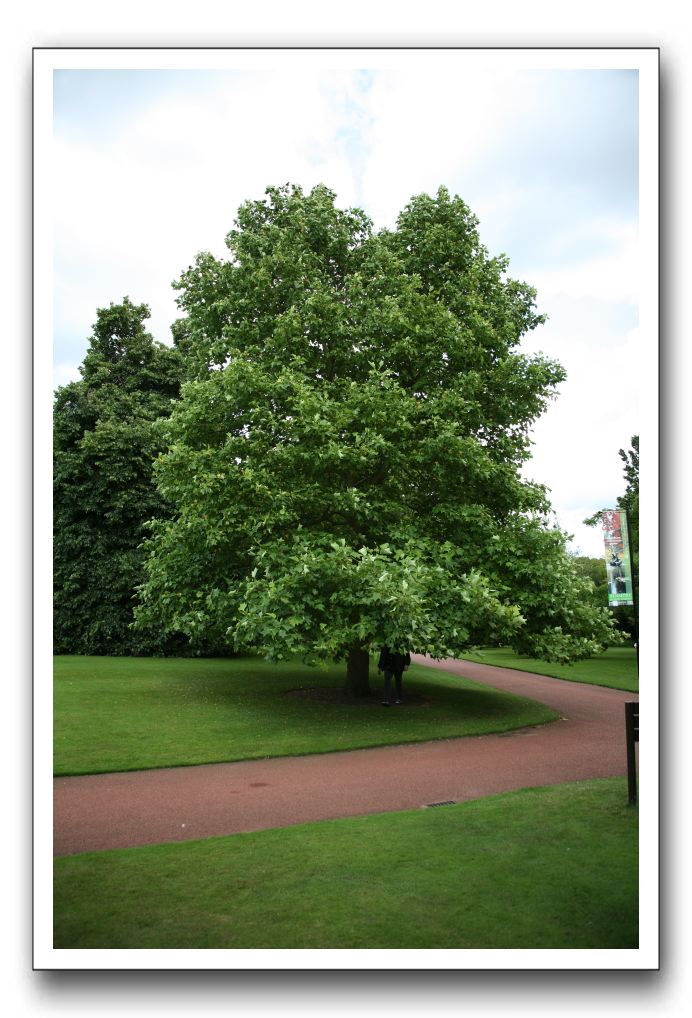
(392, 661)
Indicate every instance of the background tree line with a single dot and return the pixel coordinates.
(629, 501)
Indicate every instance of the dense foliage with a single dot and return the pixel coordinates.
(104, 447)
(594, 569)
(344, 466)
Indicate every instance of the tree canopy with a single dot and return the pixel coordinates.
(104, 448)
(343, 468)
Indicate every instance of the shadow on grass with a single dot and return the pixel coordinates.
(133, 714)
(326, 700)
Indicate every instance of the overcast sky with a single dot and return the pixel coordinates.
(148, 167)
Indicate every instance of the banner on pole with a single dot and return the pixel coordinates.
(617, 556)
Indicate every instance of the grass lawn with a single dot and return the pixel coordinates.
(540, 868)
(118, 714)
(616, 667)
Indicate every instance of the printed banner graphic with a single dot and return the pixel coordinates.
(617, 556)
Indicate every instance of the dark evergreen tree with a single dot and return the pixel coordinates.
(105, 443)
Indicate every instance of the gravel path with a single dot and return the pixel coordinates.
(104, 811)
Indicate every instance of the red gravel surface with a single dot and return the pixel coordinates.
(94, 812)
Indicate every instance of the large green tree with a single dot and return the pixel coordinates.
(105, 443)
(345, 464)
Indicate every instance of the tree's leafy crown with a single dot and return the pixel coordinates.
(344, 463)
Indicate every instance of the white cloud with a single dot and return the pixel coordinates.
(614, 276)
(427, 129)
(132, 215)
(578, 438)
(599, 406)
(64, 373)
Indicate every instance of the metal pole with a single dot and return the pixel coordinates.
(632, 708)
(631, 736)
(635, 600)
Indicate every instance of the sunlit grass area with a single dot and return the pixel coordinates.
(542, 868)
(615, 667)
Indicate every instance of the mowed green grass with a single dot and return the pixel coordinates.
(119, 714)
(615, 668)
(540, 868)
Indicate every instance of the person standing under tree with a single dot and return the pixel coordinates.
(392, 663)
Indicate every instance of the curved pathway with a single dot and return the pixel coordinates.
(119, 810)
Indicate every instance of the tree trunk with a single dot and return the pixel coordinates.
(357, 681)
